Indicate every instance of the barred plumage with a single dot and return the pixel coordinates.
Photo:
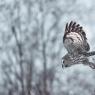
(74, 38)
(75, 42)
(69, 60)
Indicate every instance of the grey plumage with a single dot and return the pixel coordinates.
(75, 41)
(74, 38)
(69, 60)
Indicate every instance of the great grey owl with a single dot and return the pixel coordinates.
(75, 41)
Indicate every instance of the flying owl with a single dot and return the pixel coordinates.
(75, 41)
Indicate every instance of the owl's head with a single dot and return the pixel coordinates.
(67, 61)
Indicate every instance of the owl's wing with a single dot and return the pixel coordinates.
(76, 28)
(73, 27)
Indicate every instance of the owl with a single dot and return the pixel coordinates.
(74, 39)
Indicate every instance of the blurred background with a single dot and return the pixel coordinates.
(31, 47)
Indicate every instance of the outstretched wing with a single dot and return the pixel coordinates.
(74, 38)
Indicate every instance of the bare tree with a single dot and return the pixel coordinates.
(36, 29)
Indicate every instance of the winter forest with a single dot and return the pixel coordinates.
(31, 47)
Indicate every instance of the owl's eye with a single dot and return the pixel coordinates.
(63, 61)
(66, 65)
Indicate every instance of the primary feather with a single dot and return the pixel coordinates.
(74, 38)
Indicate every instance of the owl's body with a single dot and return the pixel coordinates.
(74, 39)
(70, 60)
